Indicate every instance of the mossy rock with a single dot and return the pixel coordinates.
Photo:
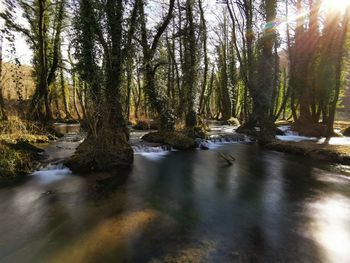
(175, 140)
(310, 129)
(107, 152)
(263, 136)
(346, 131)
(233, 121)
(245, 129)
(16, 161)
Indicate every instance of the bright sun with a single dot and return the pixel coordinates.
(339, 5)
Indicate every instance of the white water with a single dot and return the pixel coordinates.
(151, 152)
(345, 141)
(222, 129)
(292, 136)
(52, 173)
(295, 138)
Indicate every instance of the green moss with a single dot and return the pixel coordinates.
(233, 121)
(15, 129)
(31, 138)
(107, 152)
(196, 132)
(176, 140)
(16, 160)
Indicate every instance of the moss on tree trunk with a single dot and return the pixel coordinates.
(108, 151)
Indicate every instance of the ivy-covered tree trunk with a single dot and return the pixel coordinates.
(190, 76)
(223, 78)
(265, 82)
(64, 94)
(41, 106)
(3, 115)
(106, 148)
(113, 115)
(157, 100)
(205, 56)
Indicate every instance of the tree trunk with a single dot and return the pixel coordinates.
(3, 115)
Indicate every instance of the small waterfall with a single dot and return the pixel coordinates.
(52, 173)
(152, 152)
(292, 136)
(217, 140)
(229, 138)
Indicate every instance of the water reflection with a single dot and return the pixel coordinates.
(184, 207)
(330, 225)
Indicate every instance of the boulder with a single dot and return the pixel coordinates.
(310, 129)
(233, 121)
(202, 144)
(175, 140)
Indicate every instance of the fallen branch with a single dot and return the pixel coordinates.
(227, 157)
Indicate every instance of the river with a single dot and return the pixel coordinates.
(180, 207)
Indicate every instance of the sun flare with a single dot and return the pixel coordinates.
(337, 5)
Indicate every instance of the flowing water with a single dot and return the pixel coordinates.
(180, 207)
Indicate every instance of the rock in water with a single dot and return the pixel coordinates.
(176, 140)
(202, 144)
(108, 151)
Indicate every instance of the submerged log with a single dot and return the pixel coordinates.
(227, 157)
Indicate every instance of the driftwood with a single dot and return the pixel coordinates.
(227, 157)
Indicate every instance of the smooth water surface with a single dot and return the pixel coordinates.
(182, 207)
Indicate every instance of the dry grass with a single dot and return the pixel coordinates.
(15, 129)
(342, 124)
(15, 163)
(17, 156)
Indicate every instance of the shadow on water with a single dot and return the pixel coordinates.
(103, 185)
(183, 207)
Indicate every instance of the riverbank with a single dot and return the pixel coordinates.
(317, 151)
(18, 155)
(17, 160)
